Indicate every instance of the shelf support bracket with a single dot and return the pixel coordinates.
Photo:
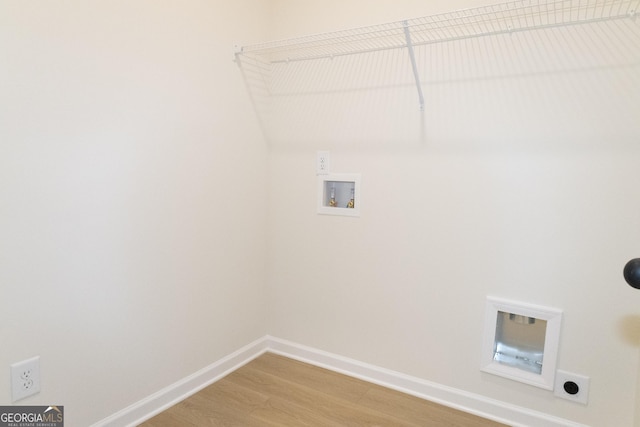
(412, 57)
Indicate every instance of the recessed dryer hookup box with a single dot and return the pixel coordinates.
(339, 194)
(521, 342)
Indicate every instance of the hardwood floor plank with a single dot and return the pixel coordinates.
(224, 404)
(324, 415)
(322, 380)
(419, 411)
(276, 391)
(308, 404)
(234, 397)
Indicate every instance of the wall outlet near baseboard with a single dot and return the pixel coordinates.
(25, 378)
(572, 387)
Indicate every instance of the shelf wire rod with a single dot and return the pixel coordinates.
(321, 44)
(448, 27)
(547, 25)
(414, 66)
(452, 36)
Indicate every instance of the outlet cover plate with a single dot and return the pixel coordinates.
(322, 163)
(25, 378)
(579, 389)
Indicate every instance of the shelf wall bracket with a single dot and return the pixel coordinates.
(412, 57)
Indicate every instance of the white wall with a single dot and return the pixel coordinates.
(132, 187)
(638, 394)
(132, 194)
(521, 187)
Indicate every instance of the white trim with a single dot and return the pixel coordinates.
(152, 405)
(495, 410)
(454, 398)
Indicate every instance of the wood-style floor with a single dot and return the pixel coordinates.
(277, 391)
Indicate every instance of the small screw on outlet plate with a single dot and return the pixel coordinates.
(572, 387)
(25, 378)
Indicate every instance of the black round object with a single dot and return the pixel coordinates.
(632, 273)
(571, 388)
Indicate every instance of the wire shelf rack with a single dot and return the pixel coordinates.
(515, 16)
(531, 61)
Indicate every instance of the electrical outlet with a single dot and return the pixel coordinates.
(572, 387)
(322, 166)
(25, 378)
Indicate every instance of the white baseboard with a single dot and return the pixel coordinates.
(169, 396)
(454, 398)
(458, 399)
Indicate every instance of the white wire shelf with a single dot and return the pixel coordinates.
(523, 15)
(459, 64)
